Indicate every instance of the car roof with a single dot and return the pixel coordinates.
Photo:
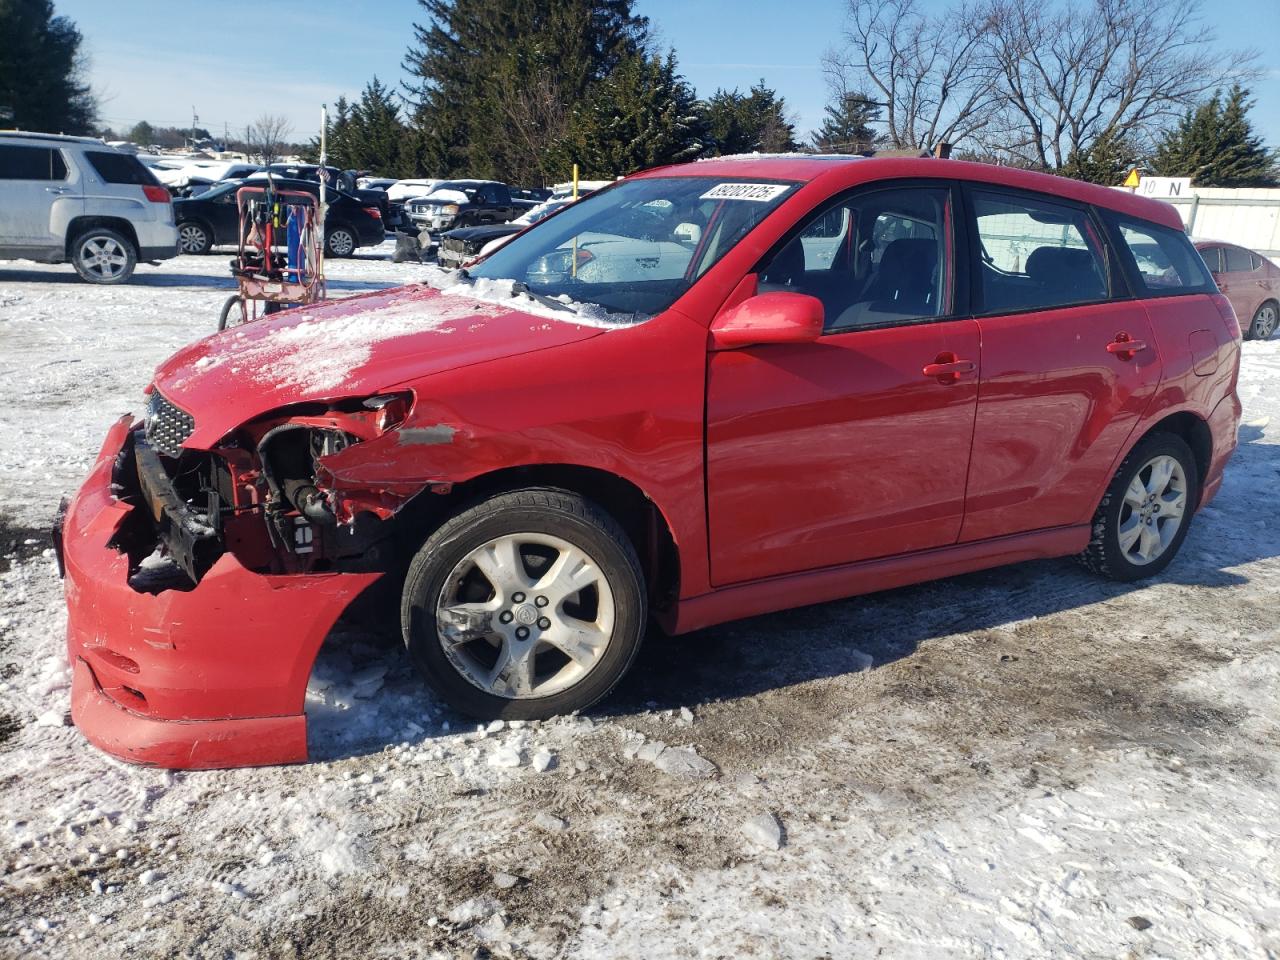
(1202, 242)
(57, 137)
(838, 171)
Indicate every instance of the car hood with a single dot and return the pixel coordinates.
(486, 232)
(355, 347)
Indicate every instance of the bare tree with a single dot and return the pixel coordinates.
(1104, 70)
(537, 112)
(266, 138)
(929, 70)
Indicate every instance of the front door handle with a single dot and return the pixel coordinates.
(1124, 346)
(947, 368)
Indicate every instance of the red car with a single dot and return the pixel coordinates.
(1250, 281)
(706, 392)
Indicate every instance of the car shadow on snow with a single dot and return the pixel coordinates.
(144, 278)
(366, 695)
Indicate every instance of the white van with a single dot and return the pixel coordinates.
(77, 200)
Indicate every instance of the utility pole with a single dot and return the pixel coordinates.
(194, 121)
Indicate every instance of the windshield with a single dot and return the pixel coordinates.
(637, 247)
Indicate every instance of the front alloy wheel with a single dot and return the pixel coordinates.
(521, 634)
(527, 605)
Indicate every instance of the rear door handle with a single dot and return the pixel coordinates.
(1124, 346)
(58, 189)
(946, 368)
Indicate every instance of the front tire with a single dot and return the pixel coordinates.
(1265, 321)
(103, 256)
(527, 605)
(1144, 515)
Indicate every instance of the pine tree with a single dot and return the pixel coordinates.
(846, 127)
(474, 56)
(748, 122)
(41, 84)
(143, 134)
(642, 115)
(1105, 161)
(1215, 146)
(376, 133)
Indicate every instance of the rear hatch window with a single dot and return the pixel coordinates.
(120, 168)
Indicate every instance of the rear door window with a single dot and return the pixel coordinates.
(1238, 261)
(1164, 259)
(1212, 257)
(31, 163)
(1036, 254)
(120, 168)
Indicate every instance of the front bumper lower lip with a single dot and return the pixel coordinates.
(181, 744)
(215, 676)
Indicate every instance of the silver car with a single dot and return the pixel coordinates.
(78, 200)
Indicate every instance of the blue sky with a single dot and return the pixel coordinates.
(157, 59)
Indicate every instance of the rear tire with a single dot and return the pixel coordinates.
(527, 605)
(104, 256)
(1146, 512)
(341, 242)
(194, 238)
(1264, 322)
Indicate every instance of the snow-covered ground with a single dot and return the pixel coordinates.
(1027, 762)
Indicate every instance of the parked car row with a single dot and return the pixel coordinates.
(212, 218)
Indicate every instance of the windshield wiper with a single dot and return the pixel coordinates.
(519, 286)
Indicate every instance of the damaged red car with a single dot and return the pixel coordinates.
(706, 392)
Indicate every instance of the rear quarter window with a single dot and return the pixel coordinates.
(1163, 259)
(120, 168)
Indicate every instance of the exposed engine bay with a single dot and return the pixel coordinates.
(262, 493)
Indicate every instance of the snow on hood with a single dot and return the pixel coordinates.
(447, 196)
(359, 346)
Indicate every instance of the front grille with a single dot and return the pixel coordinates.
(167, 426)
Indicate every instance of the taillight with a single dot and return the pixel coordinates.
(373, 212)
(155, 193)
(1228, 315)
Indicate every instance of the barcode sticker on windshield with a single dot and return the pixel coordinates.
(760, 192)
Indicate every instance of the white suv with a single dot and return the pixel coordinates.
(76, 199)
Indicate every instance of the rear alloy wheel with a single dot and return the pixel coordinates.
(341, 242)
(103, 256)
(528, 605)
(1264, 321)
(193, 238)
(1144, 516)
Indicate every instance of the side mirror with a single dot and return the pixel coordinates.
(777, 317)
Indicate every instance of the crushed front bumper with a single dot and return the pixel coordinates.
(214, 676)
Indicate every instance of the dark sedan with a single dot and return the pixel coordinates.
(460, 245)
(212, 218)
